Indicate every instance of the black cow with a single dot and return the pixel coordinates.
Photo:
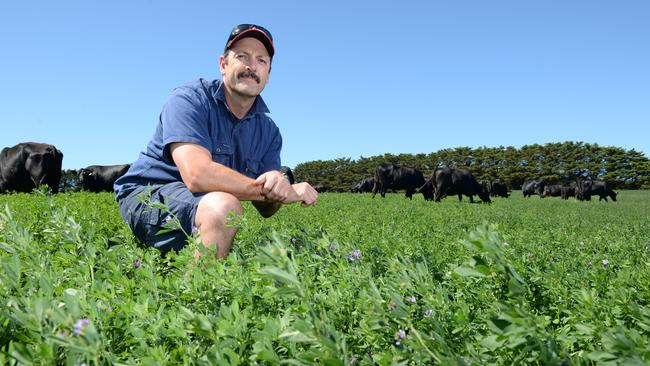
(531, 187)
(588, 188)
(450, 181)
(98, 178)
(365, 185)
(288, 173)
(29, 165)
(568, 191)
(389, 176)
(499, 189)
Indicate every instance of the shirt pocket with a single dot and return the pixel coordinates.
(222, 154)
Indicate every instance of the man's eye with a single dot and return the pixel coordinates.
(262, 61)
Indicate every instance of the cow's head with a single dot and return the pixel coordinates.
(36, 168)
(85, 175)
(45, 168)
(484, 195)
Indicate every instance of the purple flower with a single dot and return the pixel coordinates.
(80, 326)
(355, 255)
(167, 219)
(605, 262)
(411, 299)
(399, 337)
(195, 229)
(137, 263)
(428, 313)
(110, 309)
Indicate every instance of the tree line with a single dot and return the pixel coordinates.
(554, 162)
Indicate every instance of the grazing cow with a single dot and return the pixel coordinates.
(531, 187)
(29, 165)
(486, 185)
(288, 173)
(568, 191)
(499, 189)
(588, 188)
(553, 190)
(450, 181)
(365, 185)
(389, 176)
(98, 178)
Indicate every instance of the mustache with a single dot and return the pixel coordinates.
(248, 74)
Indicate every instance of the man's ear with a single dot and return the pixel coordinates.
(222, 64)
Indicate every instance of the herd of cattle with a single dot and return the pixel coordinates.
(446, 181)
(29, 165)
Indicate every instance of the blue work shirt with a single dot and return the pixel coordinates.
(198, 113)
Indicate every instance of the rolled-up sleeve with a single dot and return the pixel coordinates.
(184, 118)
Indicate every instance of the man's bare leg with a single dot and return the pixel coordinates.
(212, 221)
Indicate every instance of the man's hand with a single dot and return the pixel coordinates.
(306, 192)
(275, 187)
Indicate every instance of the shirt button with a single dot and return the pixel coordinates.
(218, 150)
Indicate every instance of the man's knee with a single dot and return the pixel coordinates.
(215, 207)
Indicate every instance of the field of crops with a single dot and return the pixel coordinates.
(351, 281)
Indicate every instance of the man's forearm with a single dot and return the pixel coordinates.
(224, 179)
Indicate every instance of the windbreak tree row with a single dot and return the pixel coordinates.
(554, 162)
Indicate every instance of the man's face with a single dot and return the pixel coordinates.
(246, 67)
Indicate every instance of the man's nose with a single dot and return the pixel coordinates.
(251, 65)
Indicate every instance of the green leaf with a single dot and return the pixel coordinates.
(468, 272)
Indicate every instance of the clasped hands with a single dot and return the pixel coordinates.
(276, 188)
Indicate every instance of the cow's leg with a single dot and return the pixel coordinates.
(438, 194)
(460, 197)
(471, 198)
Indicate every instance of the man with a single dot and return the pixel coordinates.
(214, 147)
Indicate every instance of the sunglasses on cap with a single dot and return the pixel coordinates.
(251, 30)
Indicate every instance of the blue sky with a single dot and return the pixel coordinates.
(349, 79)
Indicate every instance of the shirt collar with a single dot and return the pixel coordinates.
(219, 94)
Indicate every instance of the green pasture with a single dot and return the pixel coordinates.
(350, 281)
